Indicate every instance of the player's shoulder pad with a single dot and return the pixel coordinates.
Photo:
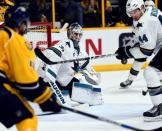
(8, 32)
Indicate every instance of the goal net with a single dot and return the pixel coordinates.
(39, 34)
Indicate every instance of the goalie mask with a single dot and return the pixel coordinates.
(75, 33)
(17, 17)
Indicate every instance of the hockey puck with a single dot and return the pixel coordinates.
(144, 93)
(124, 61)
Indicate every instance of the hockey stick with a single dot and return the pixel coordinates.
(57, 91)
(95, 117)
(51, 77)
(39, 53)
(64, 27)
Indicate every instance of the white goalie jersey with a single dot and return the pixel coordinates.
(65, 72)
(144, 30)
(84, 91)
(78, 76)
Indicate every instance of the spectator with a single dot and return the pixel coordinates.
(108, 13)
(90, 13)
(160, 4)
(37, 10)
(71, 11)
(123, 16)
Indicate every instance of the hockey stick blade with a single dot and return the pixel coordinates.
(39, 53)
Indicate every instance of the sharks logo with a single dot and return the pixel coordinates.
(125, 38)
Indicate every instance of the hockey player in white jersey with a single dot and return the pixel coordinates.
(148, 33)
(77, 77)
(133, 71)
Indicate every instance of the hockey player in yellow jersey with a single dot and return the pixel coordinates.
(19, 81)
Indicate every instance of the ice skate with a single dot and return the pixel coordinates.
(125, 84)
(154, 114)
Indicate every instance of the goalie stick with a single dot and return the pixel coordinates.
(64, 27)
(39, 53)
(57, 91)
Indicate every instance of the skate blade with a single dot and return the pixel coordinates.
(126, 87)
(153, 119)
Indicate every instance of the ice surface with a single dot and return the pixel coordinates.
(121, 105)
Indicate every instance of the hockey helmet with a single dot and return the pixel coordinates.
(74, 32)
(132, 5)
(149, 3)
(15, 16)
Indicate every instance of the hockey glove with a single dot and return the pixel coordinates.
(40, 93)
(76, 67)
(123, 53)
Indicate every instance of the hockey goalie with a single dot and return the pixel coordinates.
(76, 79)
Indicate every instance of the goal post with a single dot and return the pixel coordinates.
(39, 33)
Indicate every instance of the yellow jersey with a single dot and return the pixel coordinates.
(17, 57)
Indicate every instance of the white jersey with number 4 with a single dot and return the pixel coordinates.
(148, 32)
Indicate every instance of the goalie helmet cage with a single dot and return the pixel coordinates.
(39, 33)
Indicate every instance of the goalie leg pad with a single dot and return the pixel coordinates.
(69, 86)
(86, 93)
(14, 108)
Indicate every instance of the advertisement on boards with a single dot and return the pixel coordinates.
(96, 42)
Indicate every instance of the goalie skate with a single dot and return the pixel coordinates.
(126, 84)
(154, 114)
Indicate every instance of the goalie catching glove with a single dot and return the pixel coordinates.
(92, 77)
